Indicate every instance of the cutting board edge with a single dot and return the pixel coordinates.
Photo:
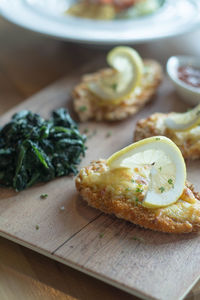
(85, 271)
(78, 268)
(189, 289)
(53, 256)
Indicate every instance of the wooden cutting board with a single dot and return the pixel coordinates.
(149, 264)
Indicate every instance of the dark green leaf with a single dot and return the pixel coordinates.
(34, 150)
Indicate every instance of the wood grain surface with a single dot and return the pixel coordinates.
(72, 236)
(26, 65)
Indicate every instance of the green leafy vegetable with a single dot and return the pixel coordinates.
(36, 150)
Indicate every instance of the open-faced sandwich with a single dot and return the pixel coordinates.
(144, 183)
(182, 128)
(119, 91)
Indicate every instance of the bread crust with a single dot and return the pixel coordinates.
(155, 219)
(190, 147)
(83, 98)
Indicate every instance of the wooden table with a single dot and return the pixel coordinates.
(29, 62)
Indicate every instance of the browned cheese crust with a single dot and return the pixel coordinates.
(83, 98)
(155, 219)
(187, 142)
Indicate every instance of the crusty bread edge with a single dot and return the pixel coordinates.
(139, 215)
(113, 112)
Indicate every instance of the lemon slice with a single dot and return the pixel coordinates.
(167, 171)
(128, 70)
(184, 121)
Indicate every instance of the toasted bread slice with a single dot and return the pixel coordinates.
(187, 141)
(88, 106)
(181, 217)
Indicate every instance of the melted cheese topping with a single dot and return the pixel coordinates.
(149, 73)
(192, 135)
(121, 182)
(132, 186)
(183, 210)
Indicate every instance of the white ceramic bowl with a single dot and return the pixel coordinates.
(188, 93)
(48, 17)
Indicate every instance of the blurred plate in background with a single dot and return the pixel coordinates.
(48, 17)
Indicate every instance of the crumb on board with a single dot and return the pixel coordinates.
(43, 196)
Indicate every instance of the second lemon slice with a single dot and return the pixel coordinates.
(128, 70)
(184, 121)
(167, 171)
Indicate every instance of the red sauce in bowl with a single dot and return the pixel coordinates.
(189, 75)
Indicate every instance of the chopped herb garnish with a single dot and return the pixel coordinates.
(101, 235)
(136, 238)
(93, 133)
(36, 150)
(160, 168)
(132, 180)
(108, 134)
(157, 139)
(86, 130)
(127, 189)
(136, 200)
(138, 190)
(161, 189)
(170, 181)
(43, 196)
(37, 227)
(114, 86)
(82, 108)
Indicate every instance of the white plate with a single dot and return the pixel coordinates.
(47, 17)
